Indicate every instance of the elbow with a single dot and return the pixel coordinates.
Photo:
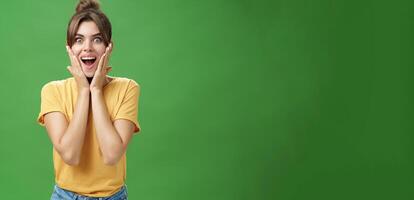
(71, 158)
(72, 163)
(113, 156)
(110, 162)
(111, 159)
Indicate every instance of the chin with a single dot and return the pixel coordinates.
(89, 74)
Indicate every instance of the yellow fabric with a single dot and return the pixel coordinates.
(91, 177)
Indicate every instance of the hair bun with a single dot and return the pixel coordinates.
(87, 4)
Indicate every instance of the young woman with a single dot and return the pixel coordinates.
(90, 117)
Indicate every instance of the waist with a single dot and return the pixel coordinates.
(67, 194)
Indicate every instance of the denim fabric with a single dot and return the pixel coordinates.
(62, 194)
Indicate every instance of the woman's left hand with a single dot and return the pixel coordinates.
(99, 79)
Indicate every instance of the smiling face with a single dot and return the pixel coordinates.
(88, 46)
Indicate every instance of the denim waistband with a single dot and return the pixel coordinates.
(63, 194)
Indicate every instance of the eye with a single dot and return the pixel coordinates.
(78, 40)
(97, 40)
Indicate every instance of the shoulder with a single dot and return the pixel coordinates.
(125, 82)
(57, 85)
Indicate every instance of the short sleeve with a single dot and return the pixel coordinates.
(50, 102)
(129, 107)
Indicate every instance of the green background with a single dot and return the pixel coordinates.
(240, 99)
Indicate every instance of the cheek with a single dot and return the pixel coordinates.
(100, 52)
(76, 50)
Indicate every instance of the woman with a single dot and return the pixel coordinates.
(90, 117)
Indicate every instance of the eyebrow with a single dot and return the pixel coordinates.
(96, 34)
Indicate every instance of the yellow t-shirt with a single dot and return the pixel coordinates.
(91, 177)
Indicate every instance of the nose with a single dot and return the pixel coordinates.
(87, 46)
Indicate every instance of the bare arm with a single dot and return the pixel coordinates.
(67, 138)
(113, 138)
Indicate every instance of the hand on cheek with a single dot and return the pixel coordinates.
(99, 78)
(76, 70)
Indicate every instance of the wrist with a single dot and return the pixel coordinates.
(84, 90)
(96, 91)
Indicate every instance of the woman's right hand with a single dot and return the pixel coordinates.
(76, 70)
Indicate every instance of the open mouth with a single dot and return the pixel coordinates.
(90, 60)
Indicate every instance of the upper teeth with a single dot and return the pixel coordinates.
(88, 58)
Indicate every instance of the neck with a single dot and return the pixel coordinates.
(89, 79)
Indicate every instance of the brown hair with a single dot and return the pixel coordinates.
(88, 10)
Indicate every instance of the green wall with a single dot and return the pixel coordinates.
(243, 100)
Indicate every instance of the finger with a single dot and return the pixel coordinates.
(76, 63)
(108, 54)
(108, 69)
(69, 68)
(110, 49)
(73, 59)
(101, 62)
(68, 50)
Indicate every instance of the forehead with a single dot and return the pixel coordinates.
(88, 28)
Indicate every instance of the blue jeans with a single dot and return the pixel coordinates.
(62, 194)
